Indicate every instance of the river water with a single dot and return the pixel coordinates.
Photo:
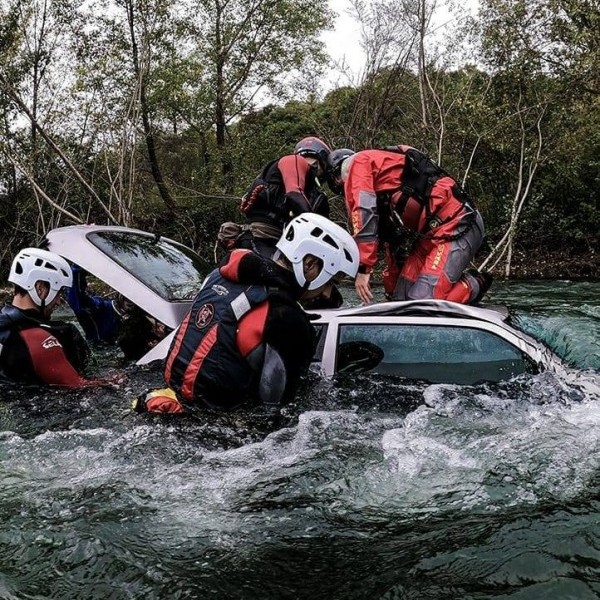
(365, 489)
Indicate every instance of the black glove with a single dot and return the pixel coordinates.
(297, 203)
(320, 204)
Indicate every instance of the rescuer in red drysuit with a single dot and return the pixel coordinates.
(392, 191)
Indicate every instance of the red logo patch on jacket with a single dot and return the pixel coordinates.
(205, 315)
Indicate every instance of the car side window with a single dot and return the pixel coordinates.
(433, 353)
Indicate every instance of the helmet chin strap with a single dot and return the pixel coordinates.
(35, 297)
(41, 302)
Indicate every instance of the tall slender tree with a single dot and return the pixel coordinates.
(250, 48)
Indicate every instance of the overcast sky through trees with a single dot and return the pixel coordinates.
(343, 44)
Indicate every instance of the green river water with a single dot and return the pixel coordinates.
(367, 489)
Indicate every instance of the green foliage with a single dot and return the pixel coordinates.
(208, 64)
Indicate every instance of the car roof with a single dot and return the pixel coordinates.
(493, 314)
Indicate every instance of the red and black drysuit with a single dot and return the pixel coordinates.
(388, 191)
(36, 351)
(245, 337)
(285, 188)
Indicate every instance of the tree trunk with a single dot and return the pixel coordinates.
(505, 245)
(149, 136)
(220, 123)
(421, 61)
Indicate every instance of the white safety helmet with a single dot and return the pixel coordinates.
(314, 234)
(33, 264)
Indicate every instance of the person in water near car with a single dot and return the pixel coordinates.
(246, 338)
(397, 193)
(285, 188)
(34, 349)
(113, 320)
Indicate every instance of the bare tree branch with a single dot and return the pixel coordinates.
(22, 106)
(40, 192)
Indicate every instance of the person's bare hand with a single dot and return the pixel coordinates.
(363, 289)
(116, 379)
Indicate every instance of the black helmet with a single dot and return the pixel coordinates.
(334, 166)
(313, 146)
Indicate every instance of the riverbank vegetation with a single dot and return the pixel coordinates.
(157, 114)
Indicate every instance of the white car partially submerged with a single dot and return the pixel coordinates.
(429, 340)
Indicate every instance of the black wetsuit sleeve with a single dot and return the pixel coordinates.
(298, 203)
(320, 204)
(246, 267)
(291, 339)
(16, 361)
(296, 174)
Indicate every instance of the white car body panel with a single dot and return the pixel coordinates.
(73, 243)
(159, 352)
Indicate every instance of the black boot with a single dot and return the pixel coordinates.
(484, 279)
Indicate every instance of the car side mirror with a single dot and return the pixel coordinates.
(358, 357)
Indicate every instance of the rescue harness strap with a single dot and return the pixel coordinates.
(419, 176)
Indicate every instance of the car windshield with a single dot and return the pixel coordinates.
(434, 353)
(172, 271)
